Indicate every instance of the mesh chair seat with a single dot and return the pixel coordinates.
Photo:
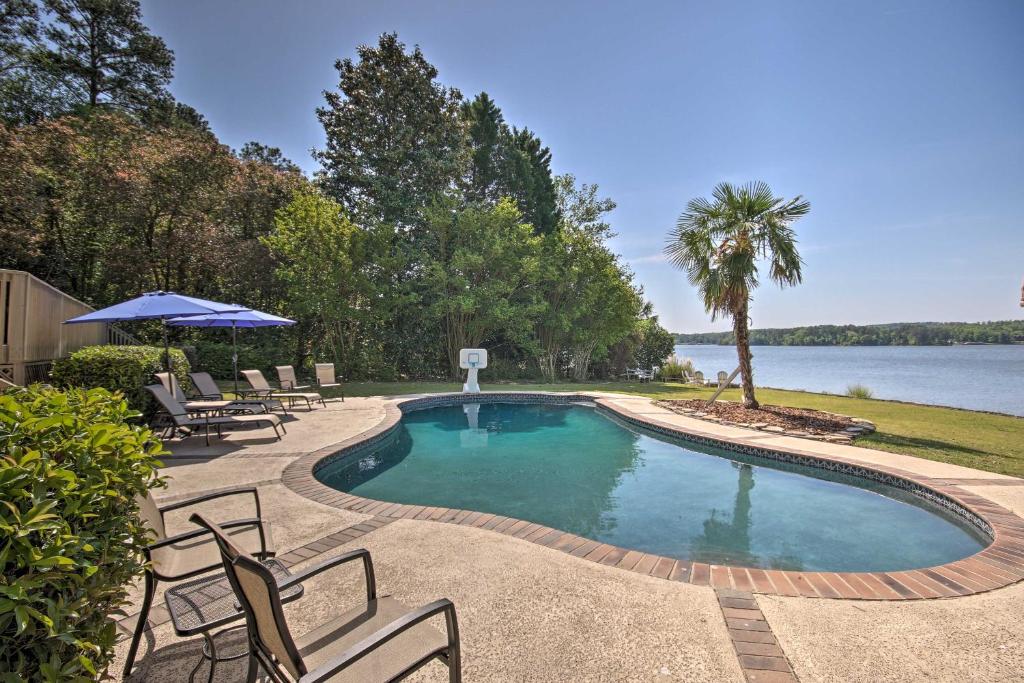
(337, 635)
(209, 602)
(185, 557)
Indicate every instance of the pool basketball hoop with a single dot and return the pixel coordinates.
(472, 360)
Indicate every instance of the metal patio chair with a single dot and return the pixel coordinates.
(325, 378)
(191, 553)
(180, 418)
(260, 388)
(207, 389)
(380, 640)
(287, 379)
(205, 404)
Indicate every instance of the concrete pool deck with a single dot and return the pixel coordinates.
(535, 613)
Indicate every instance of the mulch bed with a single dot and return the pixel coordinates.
(779, 419)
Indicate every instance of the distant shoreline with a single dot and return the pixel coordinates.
(1002, 332)
(811, 346)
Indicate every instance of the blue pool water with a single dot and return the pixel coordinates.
(574, 469)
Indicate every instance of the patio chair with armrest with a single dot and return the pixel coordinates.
(207, 389)
(261, 388)
(287, 379)
(191, 553)
(203, 404)
(325, 378)
(181, 419)
(381, 640)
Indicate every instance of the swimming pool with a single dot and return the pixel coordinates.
(573, 468)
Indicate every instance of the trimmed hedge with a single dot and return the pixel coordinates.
(71, 468)
(125, 369)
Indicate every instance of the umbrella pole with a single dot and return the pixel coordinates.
(234, 353)
(167, 347)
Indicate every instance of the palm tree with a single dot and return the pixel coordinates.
(718, 243)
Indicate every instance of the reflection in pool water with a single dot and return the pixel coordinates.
(571, 468)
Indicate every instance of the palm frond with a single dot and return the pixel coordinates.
(718, 242)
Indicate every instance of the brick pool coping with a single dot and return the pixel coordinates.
(999, 564)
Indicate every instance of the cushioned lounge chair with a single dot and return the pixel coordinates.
(208, 390)
(204, 404)
(325, 377)
(181, 419)
(192, 553)
(260, 388)
(379, 640)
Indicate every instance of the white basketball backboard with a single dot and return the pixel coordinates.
(473, 358)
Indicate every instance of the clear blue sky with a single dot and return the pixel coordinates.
(902, 122)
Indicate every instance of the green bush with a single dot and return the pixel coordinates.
(70, 471)
(858, 391)
(215, 358)
(127, 369)
(676, 368)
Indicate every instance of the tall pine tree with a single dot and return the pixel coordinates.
(508, 162)
(486, 135)
(102, 53)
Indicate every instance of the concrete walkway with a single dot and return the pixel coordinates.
(532, 613)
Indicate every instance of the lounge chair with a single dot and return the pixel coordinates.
(286, 378)
(379, 640)
(325, 377)
(698, 377)
(261, 389)
(723, 379)
(205, 404)
(194, 552)
(208, 389)
(182, 420)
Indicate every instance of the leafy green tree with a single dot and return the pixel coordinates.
(103, 53)
(656, 344)
(269, 156)
(481, 277)
(394, 138)
(718, 242)
(166, 112)
(591, 301)
(313, 244)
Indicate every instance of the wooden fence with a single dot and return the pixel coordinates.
(31, 333)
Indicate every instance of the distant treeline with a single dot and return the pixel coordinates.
(892, 334)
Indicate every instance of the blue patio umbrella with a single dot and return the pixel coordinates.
(156, 306)
(248, 318)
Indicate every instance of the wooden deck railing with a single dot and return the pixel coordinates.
(31, 333)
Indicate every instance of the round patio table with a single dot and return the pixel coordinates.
(208, 603)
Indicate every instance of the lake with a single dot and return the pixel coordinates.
(975, 377)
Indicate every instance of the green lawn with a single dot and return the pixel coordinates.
(994, 443)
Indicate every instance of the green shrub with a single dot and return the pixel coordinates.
(127, 369)
(675, 368)
(215, 358)
(70, 471)
(858, 391)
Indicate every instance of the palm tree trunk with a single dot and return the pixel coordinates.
(742, 333)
